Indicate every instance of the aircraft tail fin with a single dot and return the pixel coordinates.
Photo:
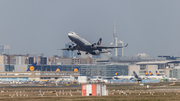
(136, 76)
(58, 69)
(32, 67)
(157, 73)
(150, 73)
(146, 73)
(116, 74)
(99, 42)
(76, 69)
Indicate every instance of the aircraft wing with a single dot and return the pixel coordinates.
(73, 48)
(65, 49)
(110, 47)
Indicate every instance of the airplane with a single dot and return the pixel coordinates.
(117, 76)
(84, 45)
(139, 79)
(151, 76)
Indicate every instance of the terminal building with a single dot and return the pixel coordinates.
(164, 68)
(89, 70)
(35, 75)
(14, 67)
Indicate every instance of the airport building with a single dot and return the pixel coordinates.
(35, 75)
(90, 67)
(107, 70)
(164, 68)
(19, 72)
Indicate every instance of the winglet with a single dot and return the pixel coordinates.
(126, 45)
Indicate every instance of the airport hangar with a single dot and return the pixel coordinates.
(164, 68)
(48, 72)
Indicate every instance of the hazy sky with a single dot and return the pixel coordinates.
(40, 26)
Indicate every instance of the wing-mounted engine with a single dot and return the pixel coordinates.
(96, 52)
(71, 47)
(94, 46)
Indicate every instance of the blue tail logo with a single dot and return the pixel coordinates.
(58, 69)
(150, 73)
(116, 74)
(76, 69)
(99, 42)
(146, 73)
(32, 67)
(157, 73)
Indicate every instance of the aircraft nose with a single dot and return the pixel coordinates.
(69, 34)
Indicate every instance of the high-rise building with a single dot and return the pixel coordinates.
(120, 50)
(4, 49)
(115, 51)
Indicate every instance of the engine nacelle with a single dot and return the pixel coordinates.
(94, 45)
(95, 52)
(70, 47)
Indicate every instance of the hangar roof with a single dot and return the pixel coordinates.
(157, 62)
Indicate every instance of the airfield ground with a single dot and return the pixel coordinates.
(155, 92)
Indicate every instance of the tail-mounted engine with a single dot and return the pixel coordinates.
(94, 45)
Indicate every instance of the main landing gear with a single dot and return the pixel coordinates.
(78, 53)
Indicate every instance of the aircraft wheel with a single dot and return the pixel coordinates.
(78, 53)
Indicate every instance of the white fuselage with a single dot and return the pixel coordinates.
(155, 77)
(81, 43)
(151, 77)
(78, 40)
(123, 77)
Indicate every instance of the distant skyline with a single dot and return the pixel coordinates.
(41, 26)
